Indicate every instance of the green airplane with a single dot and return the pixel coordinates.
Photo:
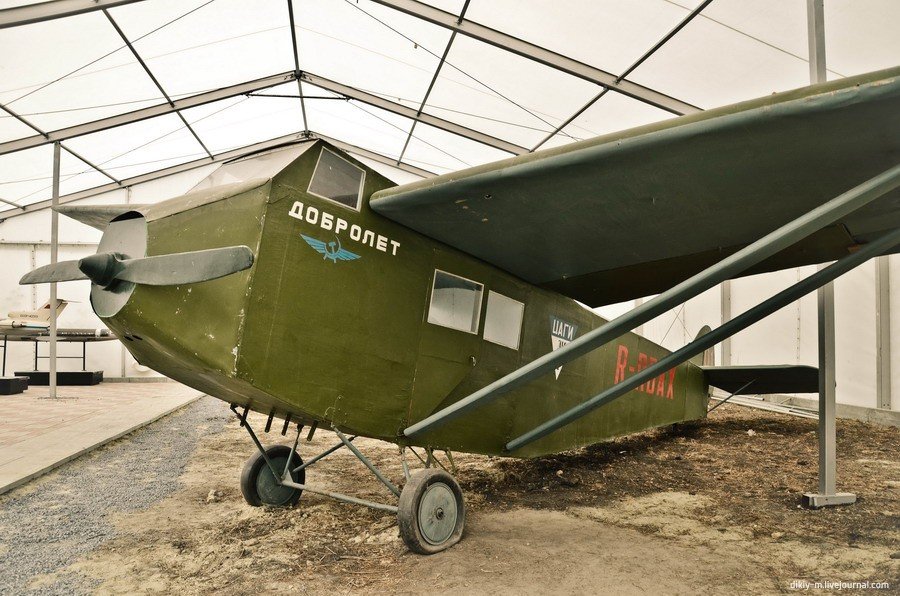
(449, 314)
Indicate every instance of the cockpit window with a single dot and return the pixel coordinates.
(503, 320)
(337, 179)
(455, 302)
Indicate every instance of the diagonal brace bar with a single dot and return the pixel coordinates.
(367, 463)
(262, 450)
(727, 268)
(321, 456)
(744, 386)
(739, 323)
(527, 50)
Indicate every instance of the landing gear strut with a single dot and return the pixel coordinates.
(431, 513)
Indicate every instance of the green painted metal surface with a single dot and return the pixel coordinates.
(345, 341)
(634, 213)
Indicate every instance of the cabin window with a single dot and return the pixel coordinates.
(503, 320)
(455, 302)
(338, 180)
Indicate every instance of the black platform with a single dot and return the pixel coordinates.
(68, 377)
(13, 385)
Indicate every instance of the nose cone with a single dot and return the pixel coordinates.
(100, 268)
(127, 237)
(189, 331)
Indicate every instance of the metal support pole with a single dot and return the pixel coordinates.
(815, 16)
(5, 345)
(296, 51)
(768, 245)
(739, 323)
(827, 386)
(883, 332)
(54, 257)
(815, 21)
(725, 297)
(123, 353)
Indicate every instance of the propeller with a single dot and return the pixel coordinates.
(120, 264)
(105, 269)
(63, 271)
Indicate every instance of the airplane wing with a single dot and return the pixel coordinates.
(633, 213)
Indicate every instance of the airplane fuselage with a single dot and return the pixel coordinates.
(352, 320)
(12, 324)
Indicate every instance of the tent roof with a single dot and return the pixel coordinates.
(137, 89)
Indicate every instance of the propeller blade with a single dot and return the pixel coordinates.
(62, 271)
(186, 267)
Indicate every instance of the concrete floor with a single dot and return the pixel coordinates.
(59, 519)
(38, 434)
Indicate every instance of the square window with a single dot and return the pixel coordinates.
(503, 321)
(338, 180)
(455, 302)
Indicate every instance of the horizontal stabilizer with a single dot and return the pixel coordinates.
(785, 378)
(97, 216)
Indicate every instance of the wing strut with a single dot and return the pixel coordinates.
(739, 323)
(727, 268)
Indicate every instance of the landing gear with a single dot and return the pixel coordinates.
(431, 513)
(261, 487)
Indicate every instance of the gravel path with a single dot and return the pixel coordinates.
(49, 523)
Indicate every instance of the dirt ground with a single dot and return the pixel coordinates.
(700, 509)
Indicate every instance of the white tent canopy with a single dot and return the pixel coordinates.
(492, 81)
(136, 90)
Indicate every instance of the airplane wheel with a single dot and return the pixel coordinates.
(260, 487)
(431, 512)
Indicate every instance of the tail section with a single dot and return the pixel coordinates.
(708, 357)
(42, 314)
(755, 380)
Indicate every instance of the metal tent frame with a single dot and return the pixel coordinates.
(54, 9)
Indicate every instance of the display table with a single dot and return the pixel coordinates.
(66, 377)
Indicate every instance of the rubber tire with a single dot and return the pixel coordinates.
(408, 511)
(257, 465)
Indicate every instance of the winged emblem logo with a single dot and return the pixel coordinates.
(330, 250)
